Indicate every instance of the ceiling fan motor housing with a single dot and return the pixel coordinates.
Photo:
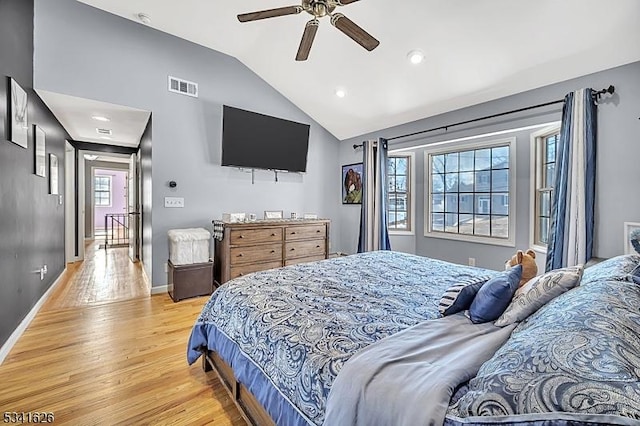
(319, 8)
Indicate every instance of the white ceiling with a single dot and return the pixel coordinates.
(476, 50)
(75, 115)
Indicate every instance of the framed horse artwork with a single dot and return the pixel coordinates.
(352, 175)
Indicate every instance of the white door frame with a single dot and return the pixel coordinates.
(69, 203)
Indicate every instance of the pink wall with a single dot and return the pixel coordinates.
(118, 195)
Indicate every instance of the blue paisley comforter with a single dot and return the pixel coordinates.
(294, 328)
(575, 361)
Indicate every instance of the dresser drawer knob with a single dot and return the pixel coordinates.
(293, 233)
(240, 274)
(318, 246)
(273, 234)
(241, 237)
(292, 249)
(240, 255)
(318, 231)
(273, 251)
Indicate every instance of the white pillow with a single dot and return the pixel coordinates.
(538, 291)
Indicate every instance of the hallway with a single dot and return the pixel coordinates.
(102, 351)
(104, 276)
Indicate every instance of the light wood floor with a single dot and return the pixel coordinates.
(104, 276)
(112, 363)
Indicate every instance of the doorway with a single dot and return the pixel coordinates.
(109, 221)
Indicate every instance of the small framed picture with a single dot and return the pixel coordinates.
(631, 238)
(40, 158)
(352, 183)
(18, 108)
(53, 175)
(310, 216)
(273, 214)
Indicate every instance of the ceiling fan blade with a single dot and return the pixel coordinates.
(307, 40)
(270, 13)
(346, 2)
(352, 30)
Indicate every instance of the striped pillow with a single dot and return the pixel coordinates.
(459, 296)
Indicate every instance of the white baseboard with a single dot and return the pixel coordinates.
(17, 333)
(159, 289)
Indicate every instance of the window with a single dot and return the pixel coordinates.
(469, 188)
(545, 143)
(399, 205)
(102, 190)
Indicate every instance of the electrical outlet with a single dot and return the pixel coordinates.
(174, 202)
(166, 267)
(44, 268)
(42, 274)
(472, 261)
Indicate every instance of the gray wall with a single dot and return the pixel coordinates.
(111, 59)
(617, 172)
(88, 197)
(31, 220)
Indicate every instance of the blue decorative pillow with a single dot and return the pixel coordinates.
(635, 275)
(459, 296)
(494, 297)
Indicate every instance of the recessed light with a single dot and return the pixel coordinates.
(341, 93)
(100, 118)
(105, 137)
(144, 18)
(90, 157)
(415, 57)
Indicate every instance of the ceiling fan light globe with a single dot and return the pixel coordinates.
(415, 57)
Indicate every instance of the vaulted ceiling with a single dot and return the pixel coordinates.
(475, 50)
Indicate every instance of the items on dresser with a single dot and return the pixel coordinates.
(266, 244)
(190, 270)
(234, 217)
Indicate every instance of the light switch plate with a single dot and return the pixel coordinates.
(174, 202)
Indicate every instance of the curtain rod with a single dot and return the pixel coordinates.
(596, 96)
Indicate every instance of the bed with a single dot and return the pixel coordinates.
(279, 339)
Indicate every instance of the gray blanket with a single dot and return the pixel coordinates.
(407, 379)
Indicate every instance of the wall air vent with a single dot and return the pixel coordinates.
(183, 87)
(103, 132)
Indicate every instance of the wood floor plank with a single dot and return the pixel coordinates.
(94, 361)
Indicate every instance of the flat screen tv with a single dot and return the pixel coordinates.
(258, 141)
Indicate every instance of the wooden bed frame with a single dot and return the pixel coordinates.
(250, 409)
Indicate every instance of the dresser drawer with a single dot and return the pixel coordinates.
(239, 271)
(305, 232)
(256, 254)
(295, 249)
(254, 236)
(289, 262)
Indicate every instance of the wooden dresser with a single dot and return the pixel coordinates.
(265, 244)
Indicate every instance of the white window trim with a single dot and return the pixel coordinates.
(412, 196)
(535, 158)
(445, 148)
(110, 192)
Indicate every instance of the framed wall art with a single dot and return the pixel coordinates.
(40, 158)
(352, 183)
(18, 122)
(53, 175)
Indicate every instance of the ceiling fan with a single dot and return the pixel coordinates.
(318, 9)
